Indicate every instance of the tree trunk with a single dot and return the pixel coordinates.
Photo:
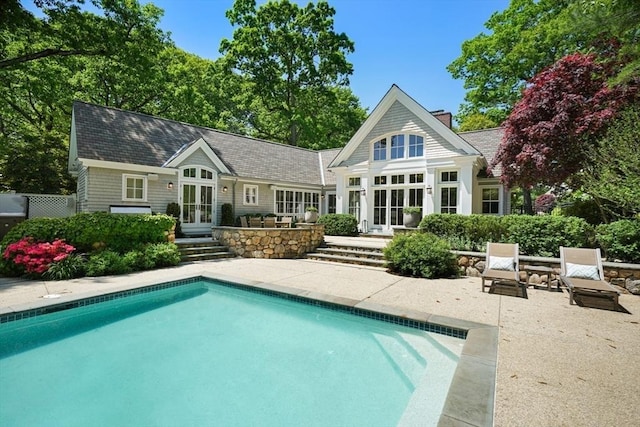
(527, 203)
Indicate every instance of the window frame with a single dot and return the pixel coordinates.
(125, 187)
(497, 202)
(245, 201)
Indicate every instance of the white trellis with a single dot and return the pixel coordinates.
(51, 205)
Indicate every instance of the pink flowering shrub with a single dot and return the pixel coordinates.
(36, 258)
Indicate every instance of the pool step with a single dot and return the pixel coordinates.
(349, 254)
(202, 250)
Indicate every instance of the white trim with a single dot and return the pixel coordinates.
(127, 167)
(396, 94)
(199, 144)
(500, 205)
(145, 187)
(246, 187)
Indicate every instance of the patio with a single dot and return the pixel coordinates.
(558, 365)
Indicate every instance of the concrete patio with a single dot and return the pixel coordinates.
(558, 364)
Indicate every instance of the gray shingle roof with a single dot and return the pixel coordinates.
(486, 141)
(115, 135)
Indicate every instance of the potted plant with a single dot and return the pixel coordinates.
(311, 214)
(411, 216)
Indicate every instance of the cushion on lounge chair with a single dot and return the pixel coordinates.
(502, 263)
(582, 271)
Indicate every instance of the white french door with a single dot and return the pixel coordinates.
(197, 195)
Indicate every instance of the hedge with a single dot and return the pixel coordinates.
(339, 224)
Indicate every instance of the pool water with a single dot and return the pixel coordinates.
(206, 354)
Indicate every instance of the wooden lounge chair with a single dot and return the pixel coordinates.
(269, 222)
(502, 264)
(581, 272)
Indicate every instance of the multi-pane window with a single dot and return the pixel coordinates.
(250, 195)
(380, 207)
(396, 206)
(134, 187)
(206, 174)
(416, 146)
(416, 196)
(416, 178)
(331, 203)
(448, 200)
(380, 149)
(354, 181)
(490, 200)
(354, 204)
(189, 173)
(397, 147)
(294, 203)
(397, 179)
(380, 180)
(449, 176)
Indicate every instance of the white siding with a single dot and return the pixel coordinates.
(199, 158)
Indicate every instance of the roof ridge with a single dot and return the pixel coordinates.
(195, 126)
(480, 130)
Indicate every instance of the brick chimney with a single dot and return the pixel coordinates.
(444, 117)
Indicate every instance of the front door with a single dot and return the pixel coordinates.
(197, 191)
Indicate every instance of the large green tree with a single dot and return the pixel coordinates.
(293, 63)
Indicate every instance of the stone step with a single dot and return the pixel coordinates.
(346, 259)
(352, 252)
(206, 256)
(190, 250)
(349, 247)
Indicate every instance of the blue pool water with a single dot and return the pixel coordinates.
(205, 354)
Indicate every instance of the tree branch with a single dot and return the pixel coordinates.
(7, 63)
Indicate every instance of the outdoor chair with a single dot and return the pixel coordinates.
(270, 222)
(255, 222)
(581, 272)
(285, 222)
(501, 264)
(243, 222)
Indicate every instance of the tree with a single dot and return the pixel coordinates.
(560, 113)
(291, 58)
(476, 121)
(611, 171)
(524, 39)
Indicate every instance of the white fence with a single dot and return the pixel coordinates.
(50, 205)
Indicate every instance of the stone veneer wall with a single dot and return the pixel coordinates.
(271, 242)
(626, 276)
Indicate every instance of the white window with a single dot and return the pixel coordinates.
(250, 195)
(449, 192)
(294, 202)
(397, 147)
(380, 149)
(416, 146)
(354, 204)
(491, 201)
(354, 181)
(134, 188)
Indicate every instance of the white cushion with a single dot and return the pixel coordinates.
(502, 263)
(582, 271)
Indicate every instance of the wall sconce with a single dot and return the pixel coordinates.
(170, 186)
(363, 191)
(429, 189)
(322, 197)
(225, 189)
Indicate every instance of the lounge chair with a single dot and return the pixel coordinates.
(501, 264)
(270, 222)
(581, 272)
(243, 222)
(255, 221)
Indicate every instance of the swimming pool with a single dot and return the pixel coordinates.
(208, 353)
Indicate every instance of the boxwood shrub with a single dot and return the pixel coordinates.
(620, 240)
(421, 255)
(339, 224)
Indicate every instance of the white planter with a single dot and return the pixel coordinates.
(310, 216)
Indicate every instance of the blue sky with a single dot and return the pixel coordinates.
(406, 42)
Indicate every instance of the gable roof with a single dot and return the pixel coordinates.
(487, 142)
(114, 135)
(396, 94)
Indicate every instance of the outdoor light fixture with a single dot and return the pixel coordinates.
(170, 186)
(429, 189)
(363, 191)
(225, 189)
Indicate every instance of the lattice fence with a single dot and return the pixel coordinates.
(51, 205)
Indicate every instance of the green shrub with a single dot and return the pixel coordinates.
(69, 268)
(106, 262)
(421, 255)
(542, 235)
(40, 229)
(339, 224)
(444, 225)
(137, 260)
(620, 240)
(227, 215)
(163, 254)
(173, 210)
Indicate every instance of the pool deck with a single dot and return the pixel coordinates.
(558, 364)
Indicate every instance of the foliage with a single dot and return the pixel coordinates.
(227, 214)
(476, 121)
(545, 202)
(620, 240)
(36, 257)
(106, 262)
(542, 235)
(421, 255)
(545, 135)
(173, 209)
(339, 224)
(412, 210)
(295, 69)
(162, 254)
(611, 173)
(311, 209)
(71, 267)
(464, 232)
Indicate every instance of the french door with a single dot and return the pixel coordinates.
(197, 208)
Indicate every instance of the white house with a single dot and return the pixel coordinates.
(403, 155)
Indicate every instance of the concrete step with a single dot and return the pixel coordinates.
(191, 250)
(206, 256)
(352, 252)
(346, 259)
(199, 250)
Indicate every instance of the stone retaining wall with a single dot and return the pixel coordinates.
(270, 242)
(625, 276)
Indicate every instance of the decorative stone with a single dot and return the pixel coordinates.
(463, 261)
(633, 286)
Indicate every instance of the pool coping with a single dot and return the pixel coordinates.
(470, 400)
